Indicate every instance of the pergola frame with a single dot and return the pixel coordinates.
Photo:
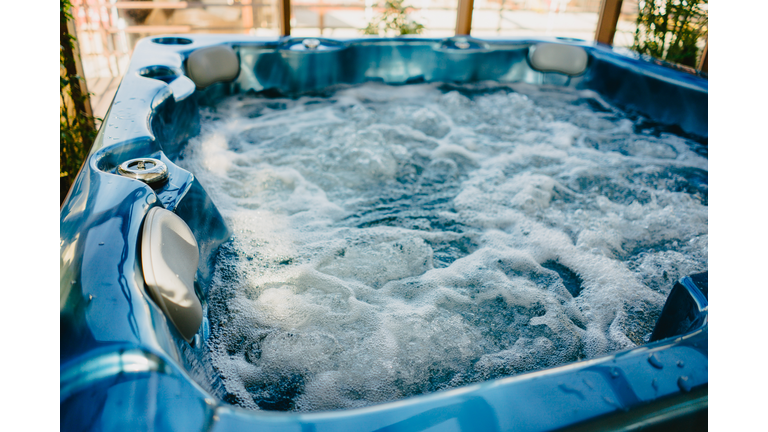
(606, 23)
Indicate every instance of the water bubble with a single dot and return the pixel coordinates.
(254, 353)
(396, 241)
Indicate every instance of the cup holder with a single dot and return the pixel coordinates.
(162, 73)
(172, 41)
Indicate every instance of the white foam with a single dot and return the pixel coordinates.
(393, 241)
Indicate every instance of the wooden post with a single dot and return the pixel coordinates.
(464, 17)
(285, 17)
(247, 15)
(703, 60)
(606, 21)
(321, 17)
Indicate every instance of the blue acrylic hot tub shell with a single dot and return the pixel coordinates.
(124, 366)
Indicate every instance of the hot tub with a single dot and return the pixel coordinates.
(138, 249)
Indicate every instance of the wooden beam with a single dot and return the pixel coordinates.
(607, 20)
(153, 5)
(285, 17)
(464, 17)
(703, 60)
(247, 14)
(151, 29)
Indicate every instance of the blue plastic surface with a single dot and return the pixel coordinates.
(123, 367)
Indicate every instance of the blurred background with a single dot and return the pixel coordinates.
(107, 30)
(98, 36)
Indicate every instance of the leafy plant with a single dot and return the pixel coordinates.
(393, 21)
(77, 128)
(669, 29)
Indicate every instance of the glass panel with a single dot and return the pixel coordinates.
(438, 16)
(627, 25)
(520, 18)
(348, 18)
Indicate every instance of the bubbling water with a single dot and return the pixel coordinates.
(394, 241)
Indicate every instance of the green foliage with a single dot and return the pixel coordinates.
(393, 21)
(669, 29)
(77, 128)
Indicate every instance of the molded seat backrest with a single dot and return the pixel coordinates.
(551, 57)
(214, 64)
(169, 259)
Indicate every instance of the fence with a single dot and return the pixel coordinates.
(107, 30)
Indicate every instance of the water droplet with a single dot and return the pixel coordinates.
(73, 282)
(680, 363)
(684, 384)
(614, 373)
(653, 359)
(101, 243)
(655, 384)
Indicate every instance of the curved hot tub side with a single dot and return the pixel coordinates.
(124, 365)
